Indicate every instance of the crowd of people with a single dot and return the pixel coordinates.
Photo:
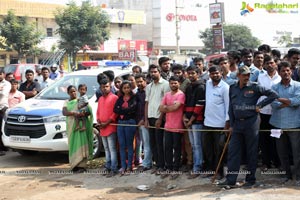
(181, 116)
(12, 92)
(177, 118)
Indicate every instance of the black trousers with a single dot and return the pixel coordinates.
(157, 144)
(173, 150)
(283, 144)
(267, 144)
(212, 149)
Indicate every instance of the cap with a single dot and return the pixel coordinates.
(244, 70)
(54, 65)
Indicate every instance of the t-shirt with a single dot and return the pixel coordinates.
(15, 98)
(83, 100)
(174, 119)
(105, 111)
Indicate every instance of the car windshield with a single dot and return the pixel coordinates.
(58, 90)
(10, 69)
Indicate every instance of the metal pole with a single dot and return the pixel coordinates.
(177, 34)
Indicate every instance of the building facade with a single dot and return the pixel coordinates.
(121, 21)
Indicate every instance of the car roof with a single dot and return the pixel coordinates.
(117, 70)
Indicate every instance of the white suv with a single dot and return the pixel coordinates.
(38, 124)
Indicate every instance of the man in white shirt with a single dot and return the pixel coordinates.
(216, 118)
(267, 144)
(5, 87)
(46, 80)
(155, 91)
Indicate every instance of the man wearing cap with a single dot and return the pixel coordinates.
(244, 123)
(54, 75)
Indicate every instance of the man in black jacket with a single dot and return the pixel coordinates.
(193, 117)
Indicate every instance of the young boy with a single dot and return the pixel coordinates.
(83, 101)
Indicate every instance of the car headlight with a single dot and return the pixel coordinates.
(55, 119)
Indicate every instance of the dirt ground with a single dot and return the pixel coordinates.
(46, 176)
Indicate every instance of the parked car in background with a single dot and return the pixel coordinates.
(19, 70)
(37, 124)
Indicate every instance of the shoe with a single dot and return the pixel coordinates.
(297, 183)
(219, 177)
(159, 171)
(264, 168)
(248, 184)
(143, 169)
(153, 171)
(2, 153)
(106, 171)
(128, 171)
(122, 172)
(164, 175)
(174, 175)
(225, 183)
(193, 175)
(186, 168)
(111, 174)
(285, 180)
(78, 170)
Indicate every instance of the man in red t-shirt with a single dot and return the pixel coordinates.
(105, 116)
(172, 104)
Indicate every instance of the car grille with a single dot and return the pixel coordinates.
(33, 126)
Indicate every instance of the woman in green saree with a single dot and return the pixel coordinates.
(80, 142)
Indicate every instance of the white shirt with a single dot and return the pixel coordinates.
(46, 83)
(154, 95)
(266, 81)
(216, 104)
(5, 87)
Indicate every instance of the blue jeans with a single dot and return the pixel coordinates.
(125, 138)
(144, 136)
(195, 139)
(109, 144)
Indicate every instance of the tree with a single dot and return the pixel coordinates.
(285, 40)
(80, 26)
(20, 35)
(235, 37)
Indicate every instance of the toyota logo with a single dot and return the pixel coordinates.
(21, 118)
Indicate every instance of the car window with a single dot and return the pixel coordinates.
(58, 90)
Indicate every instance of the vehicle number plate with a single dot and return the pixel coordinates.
(20, 139)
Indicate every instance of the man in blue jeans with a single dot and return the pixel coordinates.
(193, 117)
(244, 123)
(140, 80)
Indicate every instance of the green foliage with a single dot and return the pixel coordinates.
(80, 26)
(235, 37)
(285, 40)
(21, 36)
